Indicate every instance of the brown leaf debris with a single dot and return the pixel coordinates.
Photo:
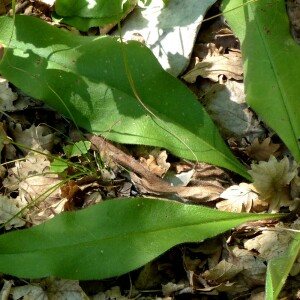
(271, 180)
(262, 151)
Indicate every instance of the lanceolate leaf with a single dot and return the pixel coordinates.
(280, 267)
(271, 65)
(110, 238)
(85, 79)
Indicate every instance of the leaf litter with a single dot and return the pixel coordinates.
(217, 266)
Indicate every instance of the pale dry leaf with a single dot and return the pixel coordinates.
(271, 180)
(169, 288)
(270, 243)
(262, 151)
(156, 162)
(222, 272)
(36, 137)
(30, 177)
(227, 106)
(239, 198)
(29, 292)
(206, 191)
(63, 289)
(9, 207)
(212, 67)
(295, 187)
(179, 179)
(7, 96)
(254, 268)
(5, 291)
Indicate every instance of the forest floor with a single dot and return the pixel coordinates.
(230, 266)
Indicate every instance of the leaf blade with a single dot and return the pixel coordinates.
(270, 65)
(117, 236)
(85, 79)
(279, 268)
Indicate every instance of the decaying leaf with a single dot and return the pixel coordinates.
(227, 106)
(295, 187)
(240, 198)
(28, 291)
(7, 96)
(5, 291)
(262, 151)
(212, 67)
(254, 268)
(169, 288)
(50, 288)
(9, 207)
(31, 179)
(156, 162)
(270, 243)
(222, 272)
(271, 180)
(36, 137)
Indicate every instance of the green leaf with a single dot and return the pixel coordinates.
(58, 165)
(271, 65)
(78, 149)
(84, 14)
(110, 238)
(84, 78)
(279, 269)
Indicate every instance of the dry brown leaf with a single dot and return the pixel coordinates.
(7, 96)
(9, 207)
(36, 137)
(156, 162)
(50, 288)
(222, 272)
(254, 268)
(169, 288)
(30, 178)
(271, 243)
(5, 291)
(212, 67)
(271, 180)
(295, 187)
(262, 151)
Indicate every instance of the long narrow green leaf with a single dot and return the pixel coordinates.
(279, 269)
(271, 65)
(85, 79)
(110, 238)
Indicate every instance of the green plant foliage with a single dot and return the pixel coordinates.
(78, 149)
(110, 238)
(58, 165)
(85, 79)
(84, 14)
(279, 269)
(271, 65)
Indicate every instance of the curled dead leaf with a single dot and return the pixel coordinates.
(156, 162)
